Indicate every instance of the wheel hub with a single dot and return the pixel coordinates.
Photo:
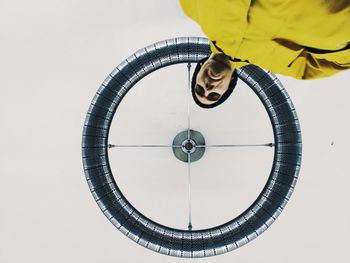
(189, 143)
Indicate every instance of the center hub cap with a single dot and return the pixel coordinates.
(188, 146)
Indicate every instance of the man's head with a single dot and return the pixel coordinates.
(213, 81)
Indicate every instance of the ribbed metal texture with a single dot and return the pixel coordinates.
(181, 243)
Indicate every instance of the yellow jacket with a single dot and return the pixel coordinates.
(304, 39)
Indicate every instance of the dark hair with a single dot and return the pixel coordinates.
(227, 94)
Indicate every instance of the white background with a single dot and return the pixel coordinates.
(53, 57)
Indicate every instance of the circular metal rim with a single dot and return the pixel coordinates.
(182, 243)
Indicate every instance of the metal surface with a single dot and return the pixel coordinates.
(189, 146)
(186, 243)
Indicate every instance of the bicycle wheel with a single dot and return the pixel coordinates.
(189, 243)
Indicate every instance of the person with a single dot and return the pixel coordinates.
(297, 38)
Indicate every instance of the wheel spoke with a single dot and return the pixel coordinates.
(188, 99)
(237, 145)
(189, 193)
(141, 146)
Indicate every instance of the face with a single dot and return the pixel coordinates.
(213, 79)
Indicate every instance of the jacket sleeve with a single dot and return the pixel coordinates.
(308, 65)
(223, 21)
